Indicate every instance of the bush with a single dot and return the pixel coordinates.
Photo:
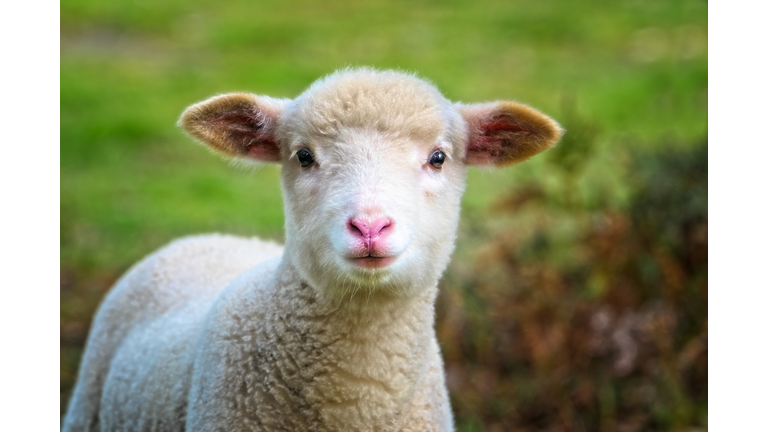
(592, 316)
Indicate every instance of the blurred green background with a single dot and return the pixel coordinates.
(577, 297)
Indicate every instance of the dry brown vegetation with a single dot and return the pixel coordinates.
(603, 328)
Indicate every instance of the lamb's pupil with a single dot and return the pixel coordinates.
(305, 157)
(437, 159)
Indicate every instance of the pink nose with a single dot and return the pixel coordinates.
(369, 230)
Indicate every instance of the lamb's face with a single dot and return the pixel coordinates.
(371, 211)
(373, 171)
(372, 179)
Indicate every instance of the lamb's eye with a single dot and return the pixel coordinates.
(305, 157)
(437, 159)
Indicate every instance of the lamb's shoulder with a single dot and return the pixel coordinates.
(148, 382)
(157, 296)
(233, 382)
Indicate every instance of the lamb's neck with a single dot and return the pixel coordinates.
(354, 362)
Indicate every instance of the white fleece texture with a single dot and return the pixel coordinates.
(218, 333)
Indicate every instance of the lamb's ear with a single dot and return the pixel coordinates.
(502, 133)
(237, 125)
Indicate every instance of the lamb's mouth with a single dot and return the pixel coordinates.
(372, 261)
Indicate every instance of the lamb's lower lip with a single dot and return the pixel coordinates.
(373, 262)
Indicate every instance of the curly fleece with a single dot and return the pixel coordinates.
(219, 333)
(258, 358)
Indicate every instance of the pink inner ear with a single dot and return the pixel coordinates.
(500, 124)
(239, 119)
(264, 150)
(252, 131)
(483, 150)
(487, 146)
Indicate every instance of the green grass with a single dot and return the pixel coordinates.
(132, 181)
(129, 68)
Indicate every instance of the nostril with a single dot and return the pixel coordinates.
(358, 227)
(379, 226)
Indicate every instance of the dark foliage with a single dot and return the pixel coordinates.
(604, 329)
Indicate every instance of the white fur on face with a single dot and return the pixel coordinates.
(372, 164)
(365, 175)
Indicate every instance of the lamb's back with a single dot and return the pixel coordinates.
(195, 267)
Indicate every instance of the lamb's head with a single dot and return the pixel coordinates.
(373, 168)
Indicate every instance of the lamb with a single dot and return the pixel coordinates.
(335, 330)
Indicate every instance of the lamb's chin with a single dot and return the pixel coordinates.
(352, 279)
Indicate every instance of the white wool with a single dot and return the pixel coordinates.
(221, 333)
